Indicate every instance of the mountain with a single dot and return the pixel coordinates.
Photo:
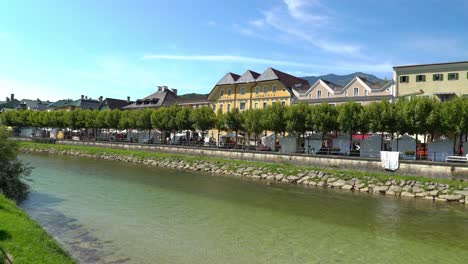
(343, 79)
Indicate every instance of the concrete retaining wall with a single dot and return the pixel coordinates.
(421, 168)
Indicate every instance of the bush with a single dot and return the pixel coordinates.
(409, 152)
(13, 172)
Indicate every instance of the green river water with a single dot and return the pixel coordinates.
(112, 212)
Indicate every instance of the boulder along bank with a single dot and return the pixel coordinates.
(428, 189)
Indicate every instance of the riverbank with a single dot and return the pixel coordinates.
(24, 240)
(438, 190)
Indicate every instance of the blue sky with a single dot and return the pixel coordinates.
(62, 49)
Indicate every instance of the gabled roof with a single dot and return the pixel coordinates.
(33, 104)
(288, 80)
(111, 103)
(369, 85)
(248, 76)
(60, 103)
(329, 85)
(153, 100)
(229, 78)
(10, 104)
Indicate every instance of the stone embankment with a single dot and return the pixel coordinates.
(428, 190)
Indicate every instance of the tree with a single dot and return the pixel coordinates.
(324, 116)
(183, 121)
(252, 122)
(454, 120)
(220, 123)
(234, 122)
(13, 172)
(296, 119)
(348, 119)
(203, 119)
(144, 121)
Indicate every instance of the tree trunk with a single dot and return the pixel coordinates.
(274, 144)
(397, 141)
(381, 141)
(217, 140)
(235, 144)
(350, 143)
(454, 143)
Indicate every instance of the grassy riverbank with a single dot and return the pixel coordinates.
(284, 168)
(24, 239)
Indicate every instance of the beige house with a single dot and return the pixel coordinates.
(443, 80)
(359, 89)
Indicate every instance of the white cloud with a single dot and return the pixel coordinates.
(301, 21)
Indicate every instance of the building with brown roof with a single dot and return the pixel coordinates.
(253, 90)
(163, 97)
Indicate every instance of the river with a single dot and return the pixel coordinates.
(113, 212)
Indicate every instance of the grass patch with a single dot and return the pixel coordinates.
(23, 238)
(285, 168)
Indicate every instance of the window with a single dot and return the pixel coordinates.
(346, 93)
(420, 78)
(310, 95)
(438, 77)
(356, 91)
(242, 106)
(229, 91)
(365, 92)
(273, 88)
(404, 79)
(228, 107)
(319, 93)
(328, 94)
(283, 103)
(221, 92)
(214, 107)
(256, 105)
(265, 89)
(221, 107)
(257, 90)
(243, 90)
(452, 76)
(265, 104)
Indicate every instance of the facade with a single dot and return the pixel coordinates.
(253, 90)
(163, 97)
(359, 89)
(445, 81)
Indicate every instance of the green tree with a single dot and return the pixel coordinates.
(252, 122)
(220, 123)
(13, 172)
(296, 120)
(144, 121)
(454, 120)
(324, 117)
(348, 119)
(203, 119)
(234, 122)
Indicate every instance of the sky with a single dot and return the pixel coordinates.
(63, 49)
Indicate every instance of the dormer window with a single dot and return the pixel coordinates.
(229, 91)
(356, 91)
(265, 89)
(221, 92)
(257, 90)
(243, 89)
(273, 88)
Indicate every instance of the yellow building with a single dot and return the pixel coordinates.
(443, 80)
(254, 90)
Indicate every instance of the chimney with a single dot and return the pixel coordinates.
(174, 91)
(86, 97)
(12, 97)
(159, 88)
(8, 99)
(38, 100)
(128, 99)
(100, 98)
(82, 97)
(164, 88)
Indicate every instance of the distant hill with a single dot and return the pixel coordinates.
(191, 97)
(343, 79)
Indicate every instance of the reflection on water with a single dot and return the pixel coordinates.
(109, 212)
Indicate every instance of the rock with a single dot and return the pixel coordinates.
(388, 183)
(347, 187)
(380, 189)
(407, 194)
(270, 177)
(438, 199)
(284, 180)
(434, 193)
(390, 192)
(406, 188)
(292, 178)
(395, 188)
(279, 177)
(451, 197)
(417, 189)
(464, 193)
(257, 172)
(338, 183)
(321, 184)
(320, 174)
(258, 177)
(428, 197)
(422, 194)
(364, 189)
(359, 186)
(312, 183)
(430, 187)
